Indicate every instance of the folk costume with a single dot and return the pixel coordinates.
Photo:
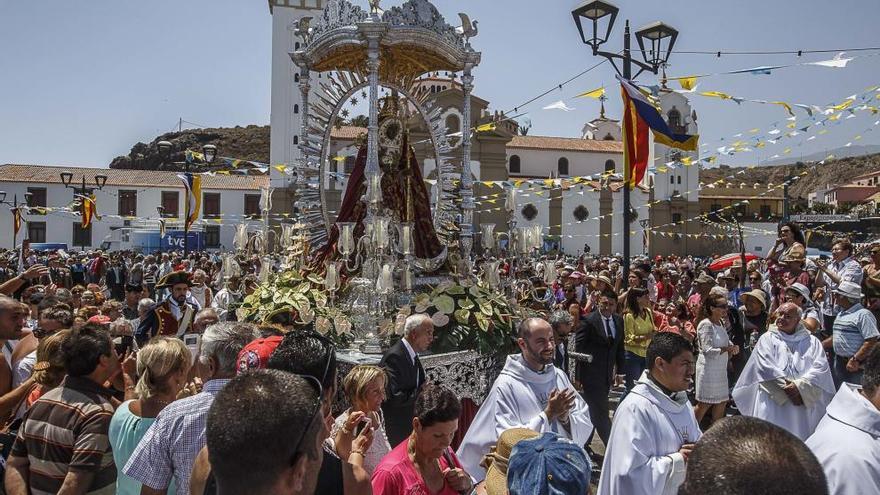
(167, 317)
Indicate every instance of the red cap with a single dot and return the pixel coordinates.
(100, 319)
(256, 354)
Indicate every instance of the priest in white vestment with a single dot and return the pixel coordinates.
(787, 380)
(654, 428)
(847, 440)
(529, 393)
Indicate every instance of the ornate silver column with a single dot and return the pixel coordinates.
(373, 33)
(304, 87)
(466, 237)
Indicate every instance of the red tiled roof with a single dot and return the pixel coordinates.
(565, 144)
(347, 132)
(50, 174)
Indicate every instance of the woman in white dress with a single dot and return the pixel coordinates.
(715, 350)
(364, 386)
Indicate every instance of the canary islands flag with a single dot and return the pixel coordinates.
(640, 113)
(193, 201)
(88, 209)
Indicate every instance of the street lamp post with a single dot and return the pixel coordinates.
(67, 180)
(657, 35)
(14, 204)
(210, 153)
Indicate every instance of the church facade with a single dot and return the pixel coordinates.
(571, 186)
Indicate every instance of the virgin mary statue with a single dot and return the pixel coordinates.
(404, 194)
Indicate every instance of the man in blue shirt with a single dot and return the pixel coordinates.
(854, 334)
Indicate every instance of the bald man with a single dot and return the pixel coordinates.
(787, 380)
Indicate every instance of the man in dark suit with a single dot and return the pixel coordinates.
(561, 322)
(405, 376)
(600, 334)
(115, 278)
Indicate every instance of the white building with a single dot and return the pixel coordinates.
(286, 116)
(127, 205)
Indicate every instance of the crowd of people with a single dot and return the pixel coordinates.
(128, 373)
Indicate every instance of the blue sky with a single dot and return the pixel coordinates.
(82, 81)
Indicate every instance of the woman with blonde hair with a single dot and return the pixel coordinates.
(364, 386)
(162, 367)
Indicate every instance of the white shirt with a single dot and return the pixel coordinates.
(608, 325)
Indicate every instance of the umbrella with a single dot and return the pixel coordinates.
(726, 261)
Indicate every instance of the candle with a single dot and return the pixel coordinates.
(406, 230)
(346, 237)
(331, 278)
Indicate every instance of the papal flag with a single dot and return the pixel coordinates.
(88, 209)
(193, 200)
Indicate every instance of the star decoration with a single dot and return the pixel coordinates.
(354, 101)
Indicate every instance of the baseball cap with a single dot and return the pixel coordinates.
(547, 465)
(100, 319)
(256, 354)
(497, 459)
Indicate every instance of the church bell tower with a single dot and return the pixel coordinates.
(286, 115)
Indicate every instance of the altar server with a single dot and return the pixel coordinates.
(654, 428)
(529, 393)
(787, 380)
(847, 440)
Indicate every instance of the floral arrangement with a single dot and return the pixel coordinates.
(465, 315)
(294, 300)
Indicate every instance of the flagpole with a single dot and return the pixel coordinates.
(186, 216)
(627, 170)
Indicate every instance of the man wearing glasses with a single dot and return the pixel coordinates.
(843, 268)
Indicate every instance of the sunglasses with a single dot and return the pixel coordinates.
(315, 412)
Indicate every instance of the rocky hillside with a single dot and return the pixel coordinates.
(832, 172)
(252, 143)
(246, 143)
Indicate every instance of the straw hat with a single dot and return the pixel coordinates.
(499, 456)
(759, 296)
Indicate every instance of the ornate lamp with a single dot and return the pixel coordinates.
(66, 178)
(661, 38)
(596, 13)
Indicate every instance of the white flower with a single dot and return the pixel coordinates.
(440, 319)
(323, 325)
(307, 316)
(420, 308)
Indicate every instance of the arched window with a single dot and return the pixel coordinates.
(674, 121)
(295, 139)
(679, 179)
(295, 77)
(672, 179)
(296, 46)
(562, 166)
(610, 166)
(514, 164)
(608, 137)
(296, 108)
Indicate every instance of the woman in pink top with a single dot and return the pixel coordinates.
(423, 464)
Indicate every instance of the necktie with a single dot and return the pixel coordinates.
(417, 363)
(608, 329)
